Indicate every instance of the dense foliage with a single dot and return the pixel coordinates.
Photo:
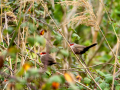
(29, 27)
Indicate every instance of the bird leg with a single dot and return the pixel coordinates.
(83, 60)
(84, 63)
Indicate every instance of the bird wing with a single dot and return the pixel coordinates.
(50, 58)
(79, 48)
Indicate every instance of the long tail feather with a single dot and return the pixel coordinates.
(91, 46)
(88, 47)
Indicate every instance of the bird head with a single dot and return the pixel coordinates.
(42, 53)
(71, 44)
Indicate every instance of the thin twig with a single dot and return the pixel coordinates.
(115, 65)
(87, 67)
(9, 68)
(107, 62)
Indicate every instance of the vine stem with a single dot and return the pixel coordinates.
(42, 2)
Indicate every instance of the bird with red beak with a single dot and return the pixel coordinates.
(80, 49)
(47, 59)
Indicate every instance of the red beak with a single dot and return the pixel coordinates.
(40, 53)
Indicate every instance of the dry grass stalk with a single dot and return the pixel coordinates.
(86, 17)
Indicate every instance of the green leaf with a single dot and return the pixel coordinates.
(117, 87)
(58, 37)
(87, 80)
(104, 58)
(9, 30)
(108, 78)
(40, 40)
(97, 78)
(58, 12)
(52, 50)
(55, 78)
(75, 36)
(65, 52)
(100, 73)
(33, 72)
(70, 29)
(19, 86)
(48, 73)
(107, 88)
(102, 85)
(118, 57)
(73, 86)
(12, 51)
(20, 72)
(56, 42)
(62, 78)
(24, 24)
(32, 27)
(39, 12)
(31, 40)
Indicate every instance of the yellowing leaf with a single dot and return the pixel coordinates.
(26, 66)
(13, 49)
(43, 86)
(69, 77)
(42, 32)
(78, 77)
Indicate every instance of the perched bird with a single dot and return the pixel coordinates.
(47, 59)
(80, 49)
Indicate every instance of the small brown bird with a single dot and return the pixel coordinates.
(47, 59)
(80, 49)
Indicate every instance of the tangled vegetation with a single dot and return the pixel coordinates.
(30, 27)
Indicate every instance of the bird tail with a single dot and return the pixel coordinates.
(90, 46)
